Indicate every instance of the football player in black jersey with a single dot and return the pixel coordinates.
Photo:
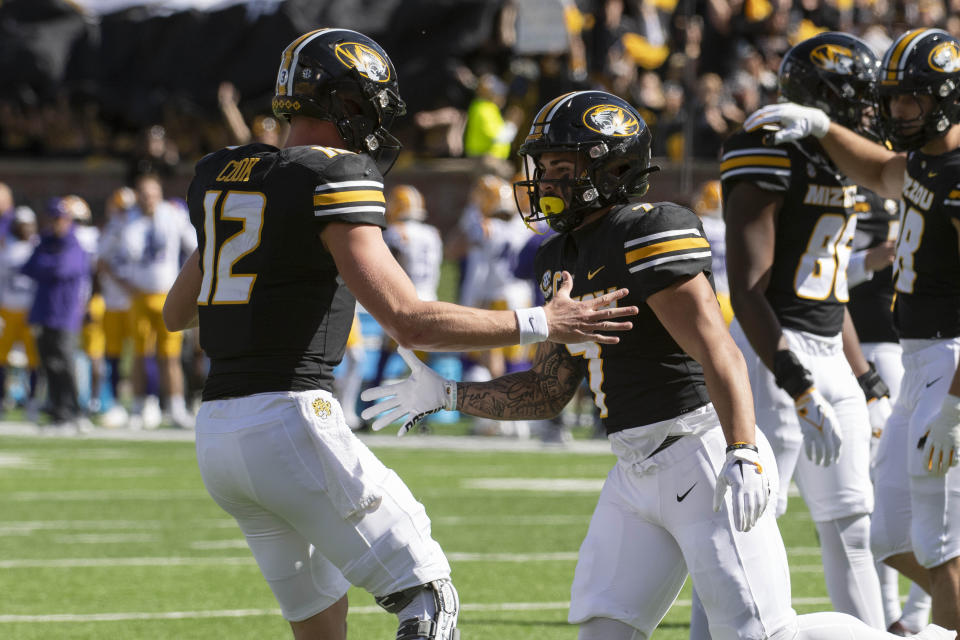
(287, 238)
(918, 487)
(790, 226)
(673, 394)
(871, 310)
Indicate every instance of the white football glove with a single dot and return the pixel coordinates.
(821, 430)
(941, 444)
(879, 409)
(791, 121)
(423, 393)
(749, 487)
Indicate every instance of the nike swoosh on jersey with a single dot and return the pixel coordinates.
(680, 497)
(590, 274)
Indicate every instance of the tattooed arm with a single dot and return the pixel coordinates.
(540, 392)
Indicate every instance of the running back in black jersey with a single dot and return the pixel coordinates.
(646, 377)
(274, 312)
(871, 302)
(814, 227)
(926, 271)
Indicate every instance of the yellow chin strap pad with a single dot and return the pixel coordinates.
(551, 205)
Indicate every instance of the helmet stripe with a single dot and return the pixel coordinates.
(901, 52)
(561, 101)
(295, 50)
(286, 64)
(542, 116)
(892, 71)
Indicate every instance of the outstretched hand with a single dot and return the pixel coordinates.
(572, 321)
(788, 122)
(423, 393)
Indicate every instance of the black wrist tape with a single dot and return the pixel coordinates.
(790, 375)
(873, 385)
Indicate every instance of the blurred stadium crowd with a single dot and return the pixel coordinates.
(694, 69)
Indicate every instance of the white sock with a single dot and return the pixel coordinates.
(916, 611)
(849, 570)
(699, 627)
(890, 592)
(177, 403)
(836, 626)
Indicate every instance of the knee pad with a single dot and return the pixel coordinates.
(442, 625)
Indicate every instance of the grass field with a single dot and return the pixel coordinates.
(109, 538)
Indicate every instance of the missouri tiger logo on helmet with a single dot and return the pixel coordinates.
(945, 57)
(364, 59)
(833, 58)
(610, 120)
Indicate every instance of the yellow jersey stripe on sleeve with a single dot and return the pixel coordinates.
(339, 197)
(755, 160)
(666, 247)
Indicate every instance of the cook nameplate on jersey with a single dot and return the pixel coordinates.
(926, 271)
(646, 377)
(274, 312)
(814, 227)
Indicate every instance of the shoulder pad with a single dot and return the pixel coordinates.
(745, 157)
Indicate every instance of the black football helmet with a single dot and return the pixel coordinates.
(344, 77)
(613, 158)
(921, 62)
(837, 73)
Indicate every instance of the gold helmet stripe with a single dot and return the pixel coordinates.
(292, 54)
(559, 103)
(286, 62)
(901, 51)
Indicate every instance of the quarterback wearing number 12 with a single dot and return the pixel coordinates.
(288, 240)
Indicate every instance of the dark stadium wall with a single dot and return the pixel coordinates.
(444, 183)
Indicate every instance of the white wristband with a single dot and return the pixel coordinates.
(532, 322)
(951, 407)
(450, 391)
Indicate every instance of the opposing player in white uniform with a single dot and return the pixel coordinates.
(418, 249)
(113, 257)
(159, 234)
(416, 244)
(790, 222)
(917, 526)
(16, 295)
(681, 426)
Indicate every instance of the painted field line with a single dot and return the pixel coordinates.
(106, 494)
(73, 563)
(25, 527)
(365, 610)
(103, 538)
(502, 521)
(575, 485)
(186, 561)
